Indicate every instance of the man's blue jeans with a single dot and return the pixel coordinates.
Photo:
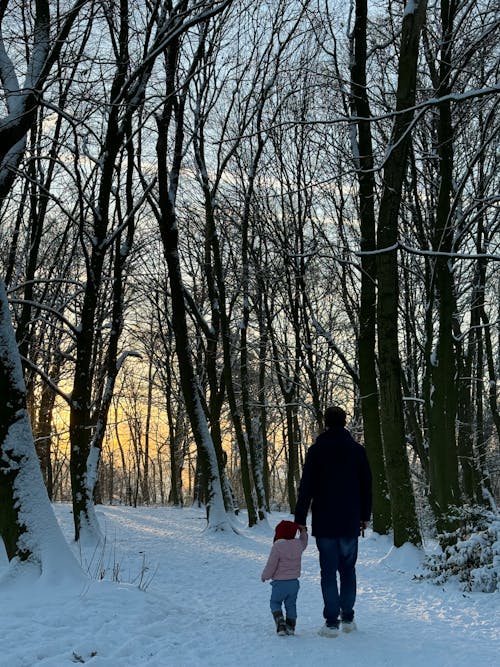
(338, 554)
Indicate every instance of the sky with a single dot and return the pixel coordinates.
(162, 591)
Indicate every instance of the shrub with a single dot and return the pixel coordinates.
(472, 554)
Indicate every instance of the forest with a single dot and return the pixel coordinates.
(219, 217)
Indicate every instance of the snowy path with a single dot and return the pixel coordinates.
(206, 606)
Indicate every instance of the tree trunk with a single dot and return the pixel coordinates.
(262, 399)
(293, 439)
(28, 526)
(368, 388)
(44, 428)
(220, 304)
(175, 431)
(442, 401)
(253, 445)
(404, 517)
(168, 224)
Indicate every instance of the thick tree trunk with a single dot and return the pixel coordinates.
(404, 517)
(368, 386)
(28, 526)
(442, 401)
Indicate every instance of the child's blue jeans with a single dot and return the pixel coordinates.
(284, 591)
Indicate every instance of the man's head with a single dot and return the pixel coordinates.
(335, 417)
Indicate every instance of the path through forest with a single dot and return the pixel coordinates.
(204, 605)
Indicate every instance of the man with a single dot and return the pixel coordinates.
(337, 480)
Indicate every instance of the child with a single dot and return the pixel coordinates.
(283, 567)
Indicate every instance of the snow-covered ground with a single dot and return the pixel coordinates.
(204, 605)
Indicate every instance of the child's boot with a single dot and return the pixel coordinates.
(290, 626)
(280, 622)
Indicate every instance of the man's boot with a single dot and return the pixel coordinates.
(290, 626)
(280, 622)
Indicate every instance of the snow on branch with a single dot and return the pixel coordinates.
(46, 379)
(128, 353)
(49, 309)
(420, 108)
(428, 253)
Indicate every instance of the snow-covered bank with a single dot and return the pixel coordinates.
(204, 605)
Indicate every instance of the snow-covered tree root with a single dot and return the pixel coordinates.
(34, 543)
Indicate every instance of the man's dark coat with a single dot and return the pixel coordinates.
(337, 480)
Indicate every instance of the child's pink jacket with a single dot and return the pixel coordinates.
(284, 559)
